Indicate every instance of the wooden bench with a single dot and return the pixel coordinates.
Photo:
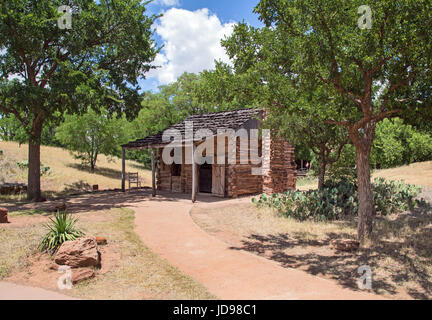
(302, 172)
(133, 178)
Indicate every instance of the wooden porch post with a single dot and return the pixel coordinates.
(123, 169)
(194, 176)
(153, 164)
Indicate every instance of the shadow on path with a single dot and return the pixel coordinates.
(409, 255)
(104, 200)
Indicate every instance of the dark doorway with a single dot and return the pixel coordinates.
(205, 178)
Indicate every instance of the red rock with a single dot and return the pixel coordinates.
(95, 187)
(4, 215)
(344, 245)
(82, 252)
(60, 207)
(81, 274)
(101, 240)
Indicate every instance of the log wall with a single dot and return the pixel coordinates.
(239, 179)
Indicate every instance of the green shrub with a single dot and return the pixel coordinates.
(22, 164)
(45, 170)
(339, 198)
(60, 229)
(393, 196)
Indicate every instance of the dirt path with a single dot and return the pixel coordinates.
(165, 226)
(11, 291)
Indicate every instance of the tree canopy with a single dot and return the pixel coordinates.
(91, 134)
(365, 75)
(46, 70)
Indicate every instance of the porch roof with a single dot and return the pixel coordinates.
(224, 120)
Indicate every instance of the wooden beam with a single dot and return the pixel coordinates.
(123, 177)
(153, 164)
(194, 174)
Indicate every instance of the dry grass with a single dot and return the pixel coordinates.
(416, 173)
(419, 173)
(400, 256)
(16, 244)
(307, 183)
(67, 175)
(133, 271)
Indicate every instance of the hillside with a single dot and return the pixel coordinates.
(419, 173)
(66, 174)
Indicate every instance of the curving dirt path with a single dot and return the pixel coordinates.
(165, 226)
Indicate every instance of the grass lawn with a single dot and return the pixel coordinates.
(129, 269)
(67, 175)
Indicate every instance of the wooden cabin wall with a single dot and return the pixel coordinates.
(239, 179)
(163, 174)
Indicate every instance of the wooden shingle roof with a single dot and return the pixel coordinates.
(212, 121)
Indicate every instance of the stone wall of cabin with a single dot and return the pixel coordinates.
(282, 174)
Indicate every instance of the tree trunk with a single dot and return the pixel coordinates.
(365, 210)
(33, 188)
(321, 171)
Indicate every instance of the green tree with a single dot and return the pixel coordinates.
(258, 79)
(228, 88)
(46, 71)
(11, 129)
(91, 134)
(374, 73)
(397, 144)
(325, 141)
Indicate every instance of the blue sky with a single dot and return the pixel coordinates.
(190, 31)
(226, 10)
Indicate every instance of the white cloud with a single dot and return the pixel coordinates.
(168, 3)
(191, 43)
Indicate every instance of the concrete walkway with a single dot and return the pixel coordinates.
(165, 226)
(11, 291)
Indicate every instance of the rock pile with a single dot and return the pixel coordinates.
(82, 255)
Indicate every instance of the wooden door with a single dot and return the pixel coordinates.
(205, 178)
(218, 181)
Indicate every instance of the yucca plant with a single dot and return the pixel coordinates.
(60, 229)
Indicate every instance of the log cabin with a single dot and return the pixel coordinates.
(218, 175)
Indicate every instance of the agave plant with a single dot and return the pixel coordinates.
(60, 229)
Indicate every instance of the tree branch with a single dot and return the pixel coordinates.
(339, 152)
(15, 113)
(335, 67)
(344, 123)
(394, 87)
